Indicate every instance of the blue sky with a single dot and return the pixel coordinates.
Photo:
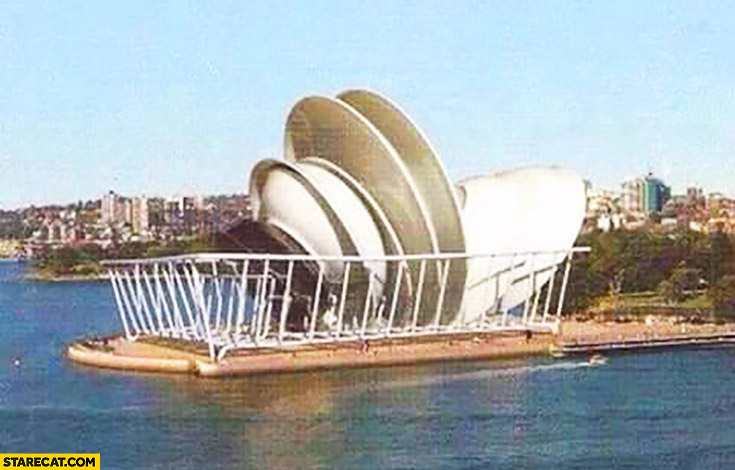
(172, 97)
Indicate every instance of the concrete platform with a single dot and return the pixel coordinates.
(148, 355)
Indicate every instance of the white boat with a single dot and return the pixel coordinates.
(597, 360)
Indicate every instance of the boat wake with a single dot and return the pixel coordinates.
(490, 374)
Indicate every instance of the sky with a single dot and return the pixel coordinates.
(165, 98)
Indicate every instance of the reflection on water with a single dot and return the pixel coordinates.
(258, 414)
(315, 419)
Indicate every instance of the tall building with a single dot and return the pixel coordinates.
(631, 195)
(128, 211)
(655, 194)
(156, 213)
(646, 194)
(112, 208)
(139, 216)
(180, 214)
(190, 214)
(694, 193)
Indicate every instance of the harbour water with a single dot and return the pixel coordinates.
(672, 409)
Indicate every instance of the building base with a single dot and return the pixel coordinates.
(156, 355)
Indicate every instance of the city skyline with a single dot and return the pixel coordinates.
(184, 98)
(618, 189)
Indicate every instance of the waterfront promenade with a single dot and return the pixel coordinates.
(591, 336)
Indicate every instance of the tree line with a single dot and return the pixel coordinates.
(673, 265)
(84, 259)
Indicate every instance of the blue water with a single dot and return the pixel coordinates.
(666, 410)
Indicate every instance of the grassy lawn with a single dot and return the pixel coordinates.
(698, 300)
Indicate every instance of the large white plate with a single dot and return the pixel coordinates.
(529, 209)
(283, 197)
(555, 202)
(353, 214)
(425, 168)
(390, 242)
(428, 175)
(334, 131)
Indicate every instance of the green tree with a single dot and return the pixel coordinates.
(59, 260)
(722, 257)
(668, 292)
(624, 262)
(722, 295)
(685, 279)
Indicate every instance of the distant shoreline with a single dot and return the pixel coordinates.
(45, 278)
(42, 279)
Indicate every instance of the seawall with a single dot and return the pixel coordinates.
(119, 353)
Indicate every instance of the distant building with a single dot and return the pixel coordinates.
(655, 194)
(180, 214)
(631, 195)
(646, 194)
(602, 201)
(128, 211)
(189, 205)
(156, 209)
(715, 203)
(694, 196)
(112, 209)
(139, 215)
(603, 210)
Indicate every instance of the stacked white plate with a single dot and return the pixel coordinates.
(360, 178)
(377, 147)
